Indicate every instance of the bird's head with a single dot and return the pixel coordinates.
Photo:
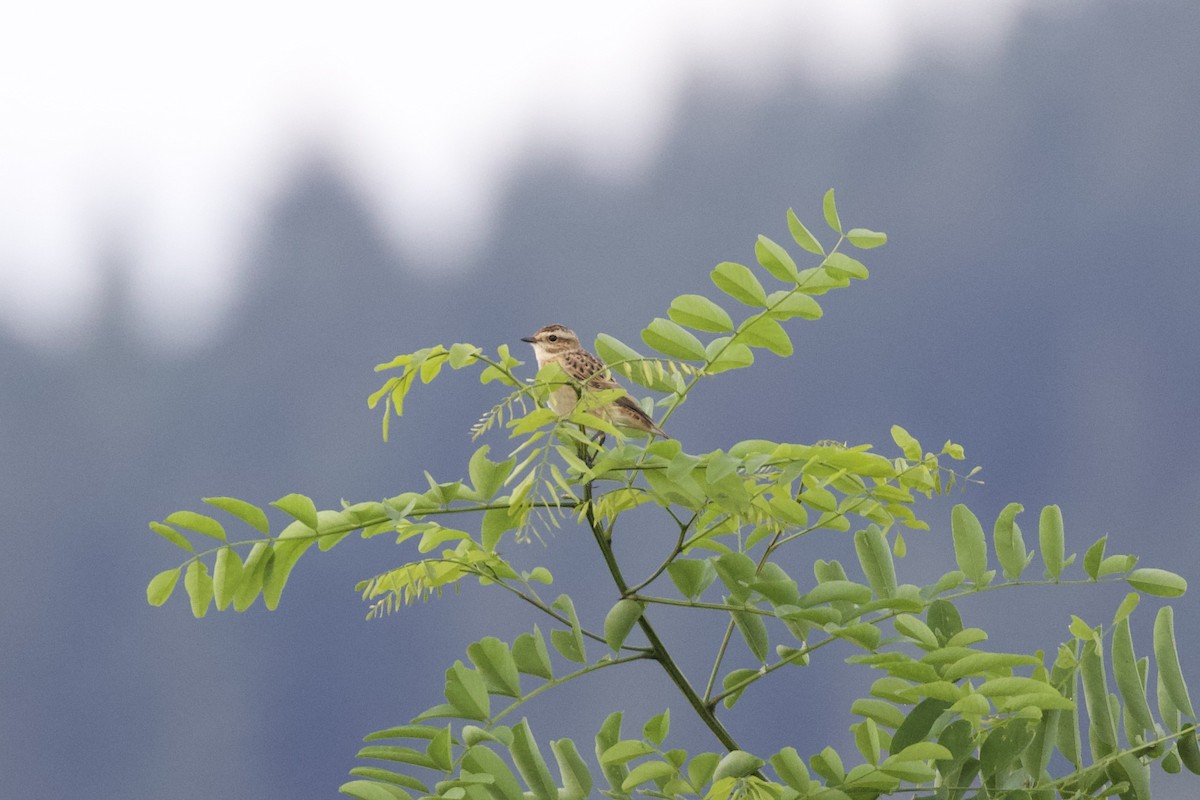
(552, 340)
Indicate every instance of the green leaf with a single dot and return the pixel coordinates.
(286, 554)
(620, 621)
(818, 280)
(532, 657)
(790, 768)
(171, 535)
(402, 755)
(737, 682)
(248, 513)
(865, 239)
(833, 591)
(369, 790)
(570, 643)
(970, 548)
(481, 760)
(721, 356)
(882, 712)
(907, 444)
(691, 576)
(669, 338)
(1189, 750)
(577, 779)
(788, 303)
(1129, 681)
(624, 751)
(1157, 582)
(1102, 728)
(227, 573)
(736, 570)
(300, 507)
(161, 586)
(828, 764)
(943, 619)
(386, 775)
(754, 631)
(487, 477)
(1010, 546)
(737, 281)
(467, 693)
(737, 764)
(700, 769)
(924, 751)
(427, 732)
(697, 311)
(765, 332)
(829, 208)
(1167, 655)
(656, 728)
(802, 236)
(440, 750)
(1051, 541)
(199, 587)
(1003, 746)
(911, 771)
(1094, 557)
(875, 557)
(917, 724)
(774, 259)
(463, 354)
(496, 664)
(980, 664)
(531, 764)
(915, 629)
(253, 573)
(495, 522)
(843, 266)
(647, 771)
(198, 523)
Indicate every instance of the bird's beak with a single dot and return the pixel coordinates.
(529, 339)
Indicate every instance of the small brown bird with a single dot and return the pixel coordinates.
(557, 344)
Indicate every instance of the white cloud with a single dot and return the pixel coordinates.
(168, 127)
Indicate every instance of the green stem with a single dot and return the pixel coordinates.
(658, 651)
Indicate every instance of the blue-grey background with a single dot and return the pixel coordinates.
(1036, 302)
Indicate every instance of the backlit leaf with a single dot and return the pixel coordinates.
(697, 311)
(737, 281)
(199, 587)
(829, 208)
(766, 332)
(199, 523)
(620, 621)
(774, 259)
(970, 548)
(249, 513)
(299, 506)
(161, 586)
(1167, 655)
(670, 338)
(171, 535)
(1158, 582)
(1051, 541)
(788, 303)
(802, 236)
(865, 239)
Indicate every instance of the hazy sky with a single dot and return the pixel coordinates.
(164, 130)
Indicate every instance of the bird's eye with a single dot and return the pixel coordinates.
(552, 337)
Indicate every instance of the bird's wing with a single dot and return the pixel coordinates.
(585, 367)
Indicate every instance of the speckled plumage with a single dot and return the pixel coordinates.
(559, 344)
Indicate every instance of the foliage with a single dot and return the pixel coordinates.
(945, 718)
